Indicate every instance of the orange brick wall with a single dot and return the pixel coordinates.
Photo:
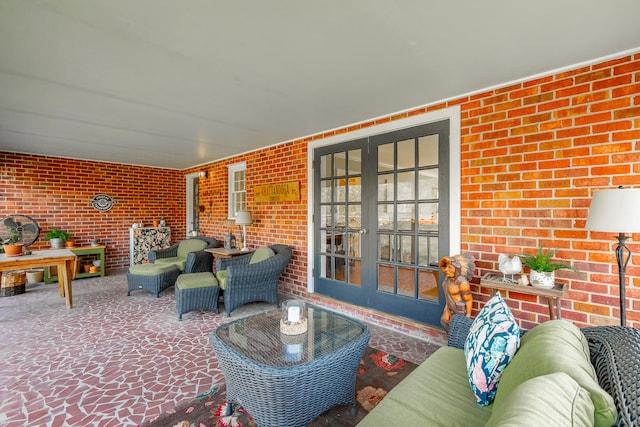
(57, 193)
(532, 155)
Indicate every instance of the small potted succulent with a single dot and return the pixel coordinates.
(57, 238)
(11, 244)
(543, 269)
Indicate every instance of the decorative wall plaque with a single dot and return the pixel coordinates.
(283, 192)
(102, 202)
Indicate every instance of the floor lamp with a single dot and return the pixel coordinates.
(617, 211)
(243, 218)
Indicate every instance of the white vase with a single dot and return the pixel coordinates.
(542, 279)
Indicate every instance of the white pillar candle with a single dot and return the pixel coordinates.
(293, 314)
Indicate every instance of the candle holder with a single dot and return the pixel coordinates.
(294, 318)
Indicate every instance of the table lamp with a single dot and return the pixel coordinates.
(243, 218)
(617, 211)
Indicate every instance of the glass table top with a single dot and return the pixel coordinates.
(258, 337)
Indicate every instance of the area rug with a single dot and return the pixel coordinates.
(378, 373)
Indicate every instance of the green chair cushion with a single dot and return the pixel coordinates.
(190, 245)
(148, 269)
(222, 279)
(261, 254)
(196, 280)
(556, 346)
(549, 400)
(180, 263)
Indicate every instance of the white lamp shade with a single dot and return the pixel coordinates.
(617, 211)
(243, 218)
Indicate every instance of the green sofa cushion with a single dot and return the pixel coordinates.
(196, 280)
(549, 400)
(436, 393)
(556, 346)
(222, 279)
(261, 254)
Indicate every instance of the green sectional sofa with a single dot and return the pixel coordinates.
(549, 382)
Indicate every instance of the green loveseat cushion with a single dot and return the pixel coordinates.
(556, 346)
(436, 393)
(184, 248)
(180, 263)
(196, 280)
(549, 400)
(190, 245)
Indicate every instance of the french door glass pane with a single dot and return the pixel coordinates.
(339, 216)
(386, 190)
(428, 184)
(406, 186)
(385, 217)
(386, 247)
(355, 189)
(428, 288)
(386, 157)
(340, 190)
(406, 216)
(428, 217)
(428, 150)
(386, 278)
(406, 281)
(355, 162)
(325, 216)
(406, 249)
(406, 154)
(325, 166)
(325, 191)
(339, 164)
(355, 216)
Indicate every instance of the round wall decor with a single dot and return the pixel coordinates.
(102, 202)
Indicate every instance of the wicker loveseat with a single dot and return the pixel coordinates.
(560, 376)
(245, 279)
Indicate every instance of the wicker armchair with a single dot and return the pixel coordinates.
(188, 255)
(245, 282)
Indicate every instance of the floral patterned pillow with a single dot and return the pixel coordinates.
(493, 340)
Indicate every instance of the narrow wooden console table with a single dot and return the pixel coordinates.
(494, 282)
(80, 251)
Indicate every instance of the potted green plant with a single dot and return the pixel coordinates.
(57, 237)
(10, 244)
(542, 268)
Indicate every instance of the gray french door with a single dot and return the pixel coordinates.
(381, 220)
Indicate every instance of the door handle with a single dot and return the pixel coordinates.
(363, 231)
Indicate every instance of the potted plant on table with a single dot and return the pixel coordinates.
(10, 244)
(543, 269)
(57, 238)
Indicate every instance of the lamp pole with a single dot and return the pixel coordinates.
(623, 254)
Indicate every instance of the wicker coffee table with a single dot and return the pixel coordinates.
(289, 380)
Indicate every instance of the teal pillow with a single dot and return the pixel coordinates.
(549, 400)
(493, 339)
(261, 254)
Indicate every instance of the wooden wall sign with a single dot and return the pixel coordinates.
(283, 192)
